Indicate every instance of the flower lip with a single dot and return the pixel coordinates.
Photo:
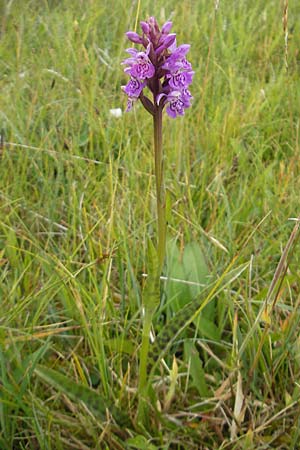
(142, 69)
(177, 102)
(180, 79)
(134, 88)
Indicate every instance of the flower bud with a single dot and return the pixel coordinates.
(169, 39)
(145, 27)
(134, 37)
(166, 27)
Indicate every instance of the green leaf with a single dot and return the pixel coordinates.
(120, 345)
(77, 392)
(196, 368)
(187, 276)
(187, 273)
(207, 328)
(140, 442)
(11, 249)
(24, 372)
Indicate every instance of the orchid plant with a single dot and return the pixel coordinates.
(162, 68)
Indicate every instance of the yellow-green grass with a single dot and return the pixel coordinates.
(77, 205)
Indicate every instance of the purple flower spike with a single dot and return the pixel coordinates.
(162, 67)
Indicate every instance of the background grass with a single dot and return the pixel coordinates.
(77, 205)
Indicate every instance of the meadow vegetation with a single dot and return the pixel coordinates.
(77, 207)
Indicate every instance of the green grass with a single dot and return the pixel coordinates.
(77, 205)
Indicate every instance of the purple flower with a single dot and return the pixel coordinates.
(161, 66)
(177, 102)
(134, 87)
(177, 59)
(143, 68)
(180, 80)
(140, 65)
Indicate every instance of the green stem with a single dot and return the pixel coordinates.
(160, 189)
(143, 386)
(144, 350)
(151, 294)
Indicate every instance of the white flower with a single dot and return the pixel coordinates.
(116, 112)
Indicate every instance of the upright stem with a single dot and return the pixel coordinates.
(160, 189)
(151, 294)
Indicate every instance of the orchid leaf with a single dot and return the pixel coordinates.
(80, 393)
